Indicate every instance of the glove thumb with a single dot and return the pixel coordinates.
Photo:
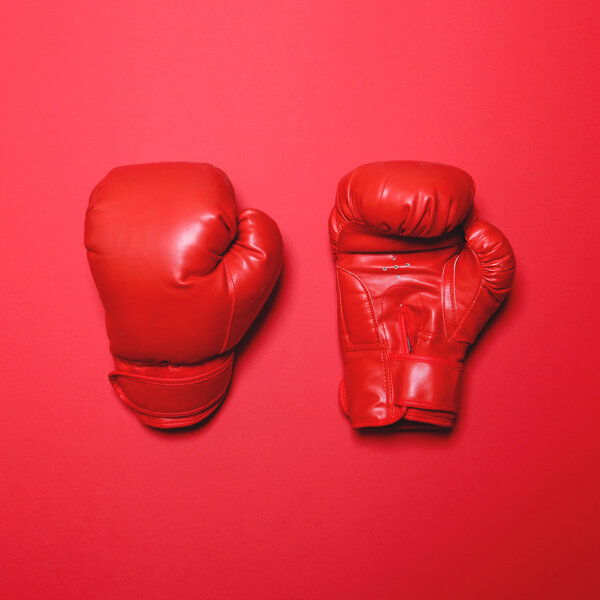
(253, 264)
(495, 256)
(491, 255)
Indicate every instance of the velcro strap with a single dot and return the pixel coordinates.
(173, 396)
(429, 384)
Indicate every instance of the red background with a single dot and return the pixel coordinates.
(277, 497)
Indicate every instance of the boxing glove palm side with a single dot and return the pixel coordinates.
(418, 277)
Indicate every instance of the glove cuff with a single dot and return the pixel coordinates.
(401, 390)
(173, 396)
(426, 388)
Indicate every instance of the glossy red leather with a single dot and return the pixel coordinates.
(182, 274)
(418, 276)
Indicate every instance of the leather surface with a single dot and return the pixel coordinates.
(182, 274)
(418, 276)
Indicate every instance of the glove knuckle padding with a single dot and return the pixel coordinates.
(173, 265)
(413, 288)
(155, 236)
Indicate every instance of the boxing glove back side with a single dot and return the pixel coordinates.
(181, 275)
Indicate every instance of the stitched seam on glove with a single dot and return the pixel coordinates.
(342, 317)
(374, 322)
(364, 347)
(468, 311)
(170, 382)
(475, 298)
(232, 284)
(423, 359)
(451, 408)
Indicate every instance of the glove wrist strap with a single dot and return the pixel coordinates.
(167, 396)
(426, 388)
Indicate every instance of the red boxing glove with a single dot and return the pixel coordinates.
(181, 275)
(418, 277)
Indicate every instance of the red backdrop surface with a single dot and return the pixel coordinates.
(277, 497)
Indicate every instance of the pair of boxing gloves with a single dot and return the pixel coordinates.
(182, 274)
